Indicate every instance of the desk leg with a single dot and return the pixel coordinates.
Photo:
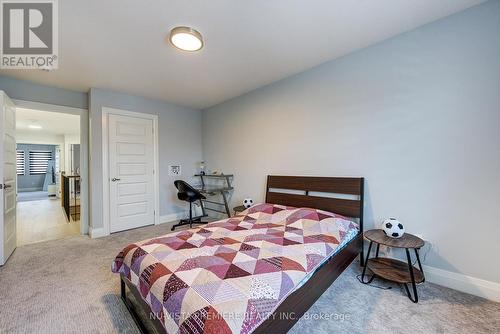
(202, 208)
(366, 265)
(225, 203)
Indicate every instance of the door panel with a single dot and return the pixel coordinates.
(9, 178)
(129, 169)
(132, 209)
(139, 188)
(131, 149)
(131, 165)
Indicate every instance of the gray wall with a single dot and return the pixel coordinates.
(179, 143)
(28, 91)
(417, 115)
(29, 182)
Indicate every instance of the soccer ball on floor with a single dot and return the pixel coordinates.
(393, 228)
(247, 202)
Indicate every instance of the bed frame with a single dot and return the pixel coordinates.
(324, 193)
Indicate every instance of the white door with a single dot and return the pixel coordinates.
(131, 167)
(9, 176)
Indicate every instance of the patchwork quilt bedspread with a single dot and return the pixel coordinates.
(230, 275)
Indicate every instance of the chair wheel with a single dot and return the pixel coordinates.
(173, 228)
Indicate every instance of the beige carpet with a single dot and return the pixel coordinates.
(66, 286)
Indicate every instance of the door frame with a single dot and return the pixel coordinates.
(106, 111)
(6, 100)
(84, 151)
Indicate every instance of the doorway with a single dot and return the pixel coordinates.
(48, 175)
(11, 164)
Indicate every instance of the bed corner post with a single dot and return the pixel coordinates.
(267, 188)
(361, 228)
(123, 293)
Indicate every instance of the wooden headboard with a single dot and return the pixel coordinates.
(334, 186)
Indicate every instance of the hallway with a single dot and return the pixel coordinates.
(43, 220)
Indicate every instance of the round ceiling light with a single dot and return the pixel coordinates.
(186, 39)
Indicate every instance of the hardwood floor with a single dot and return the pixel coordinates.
(43, 220)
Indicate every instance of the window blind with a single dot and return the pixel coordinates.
(20, 162)
(39, 161)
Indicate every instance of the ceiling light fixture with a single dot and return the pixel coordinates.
(186, 39)
(34, 126)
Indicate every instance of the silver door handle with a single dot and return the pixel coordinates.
(115, 179)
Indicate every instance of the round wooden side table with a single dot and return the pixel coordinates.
(239, 208)
(392, 269)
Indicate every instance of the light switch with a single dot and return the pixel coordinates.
(174, 170)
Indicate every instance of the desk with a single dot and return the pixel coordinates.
(213, 190)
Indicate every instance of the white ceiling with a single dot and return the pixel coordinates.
(52, 123)
(120, 44)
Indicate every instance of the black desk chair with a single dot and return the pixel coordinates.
(185, 192)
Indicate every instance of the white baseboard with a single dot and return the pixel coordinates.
(170, 218)
(96, 232)
(474, 286)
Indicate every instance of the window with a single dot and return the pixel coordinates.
(20, 162)
(39, 161)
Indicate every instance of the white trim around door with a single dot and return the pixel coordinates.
(106, 111)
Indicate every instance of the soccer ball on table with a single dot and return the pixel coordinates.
(393, 228)
(247, 202)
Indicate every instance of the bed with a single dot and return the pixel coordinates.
(256, 272)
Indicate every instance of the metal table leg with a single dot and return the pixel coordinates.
(412, 276)
(366, 265)
(419, 263)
